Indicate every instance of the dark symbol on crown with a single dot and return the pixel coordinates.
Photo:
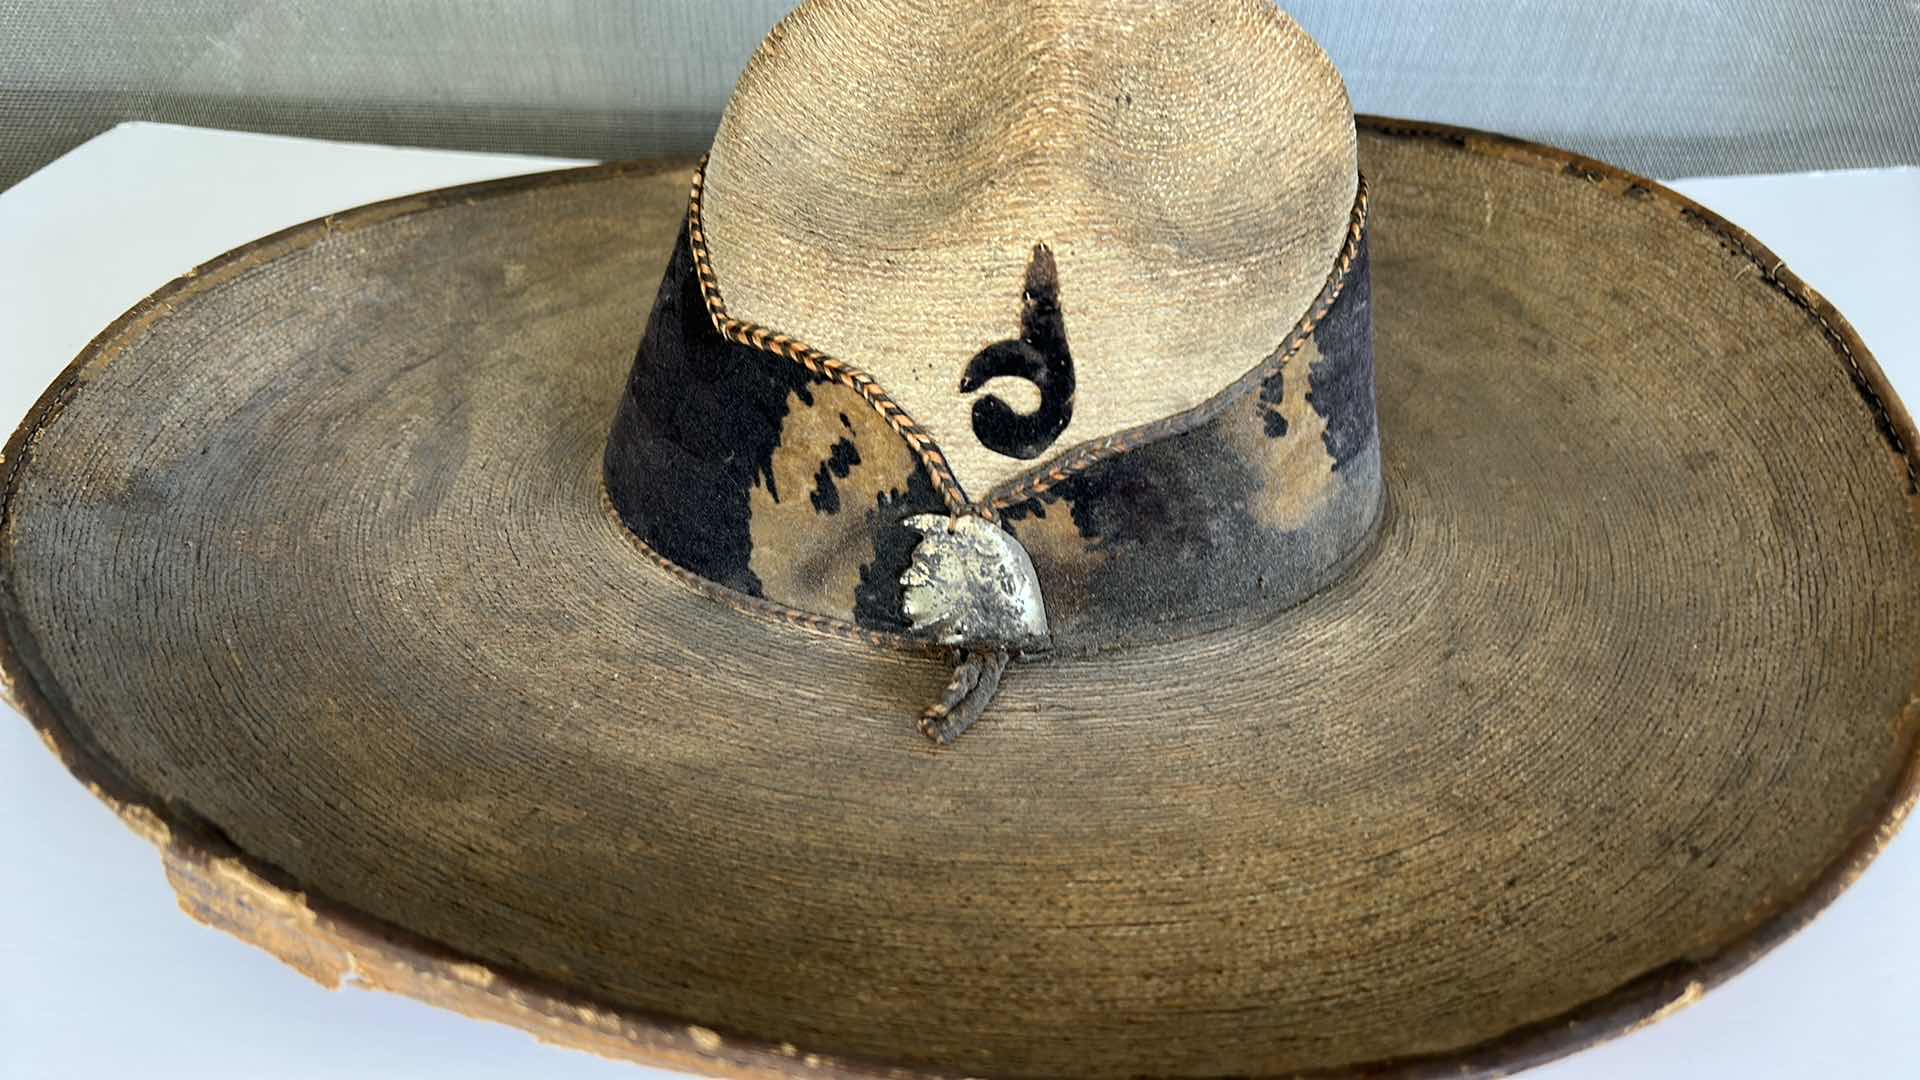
(1040, 356)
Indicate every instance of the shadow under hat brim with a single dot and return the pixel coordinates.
(306, 570)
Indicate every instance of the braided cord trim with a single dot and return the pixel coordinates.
(1085, 456)
(819, 363)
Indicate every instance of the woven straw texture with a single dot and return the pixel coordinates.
(306, 566)
(1193, 181)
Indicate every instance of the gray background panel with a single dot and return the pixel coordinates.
(1666, 87)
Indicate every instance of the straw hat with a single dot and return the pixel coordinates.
(1100, 566)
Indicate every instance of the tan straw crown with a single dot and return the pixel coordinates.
(885, 169)
(1143, 223)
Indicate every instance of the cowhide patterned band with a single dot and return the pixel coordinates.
(1254, 500)
(776, 472)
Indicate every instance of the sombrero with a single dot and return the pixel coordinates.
(1098, 566)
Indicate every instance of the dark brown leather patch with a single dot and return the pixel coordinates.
(1040, 355)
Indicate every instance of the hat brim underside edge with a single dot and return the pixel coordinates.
(335, 944)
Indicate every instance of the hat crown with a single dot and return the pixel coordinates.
(886, 169)
(1094, 274)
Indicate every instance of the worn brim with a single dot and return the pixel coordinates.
(305, 567)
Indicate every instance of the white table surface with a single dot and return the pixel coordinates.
(105, 976)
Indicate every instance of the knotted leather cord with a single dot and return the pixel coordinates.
(975, 681)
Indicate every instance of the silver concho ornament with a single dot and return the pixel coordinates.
(971, 584)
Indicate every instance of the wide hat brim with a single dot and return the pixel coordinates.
(307, 571)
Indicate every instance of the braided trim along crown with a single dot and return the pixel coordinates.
(812, 359)
(1075, 460)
